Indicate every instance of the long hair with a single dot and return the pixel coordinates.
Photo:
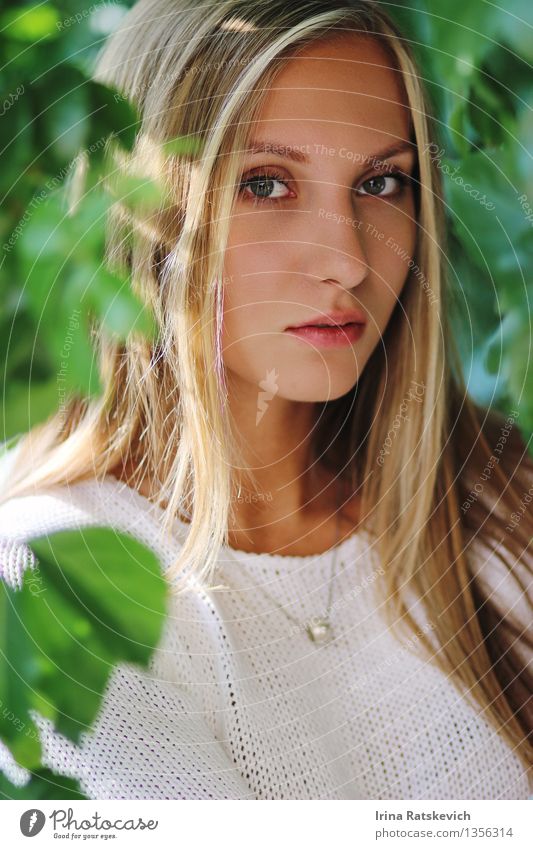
(437, 491)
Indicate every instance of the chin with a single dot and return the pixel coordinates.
(323, 390)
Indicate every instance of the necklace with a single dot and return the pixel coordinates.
(318, 628)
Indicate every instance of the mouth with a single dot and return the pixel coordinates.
(335, 329)
(329, 335)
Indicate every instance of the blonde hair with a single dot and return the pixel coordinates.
(201, 72)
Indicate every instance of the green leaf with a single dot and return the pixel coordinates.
(17, 147)
(117, 306)
(18, 675)
(66, 120)
(44, 784)
(183, 146)
(110, 114)
(28, 404)
(30, 23)
(97, 599)
(485, 211)
(140, 195)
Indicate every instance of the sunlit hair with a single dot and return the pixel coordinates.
(201, 71)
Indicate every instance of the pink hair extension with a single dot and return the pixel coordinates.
(219, 364)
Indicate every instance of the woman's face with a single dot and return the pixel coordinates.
(322, 223)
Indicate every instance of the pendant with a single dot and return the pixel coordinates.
(319, 631)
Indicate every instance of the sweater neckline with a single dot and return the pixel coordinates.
(359, 538)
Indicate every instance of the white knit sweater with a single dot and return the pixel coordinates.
(238, 703)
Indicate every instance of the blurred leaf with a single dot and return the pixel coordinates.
(486, 214)
(98, 598)
(117, 305)
(66, 286)
(515, 25)
(111, 113)
(28, 404)
(16, 144)
(140, 195)
(184, 145)
(30, 23)
(44, 784)
(66, 120)
(461, 35)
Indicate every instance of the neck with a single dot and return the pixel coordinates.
(291, 509)
(291, 506)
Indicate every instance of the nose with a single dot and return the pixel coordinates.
(336, 249)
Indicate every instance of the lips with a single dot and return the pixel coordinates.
(331, 336)
(333, 319)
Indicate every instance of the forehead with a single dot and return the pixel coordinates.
(345, 85)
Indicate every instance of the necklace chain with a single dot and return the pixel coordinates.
(318, 628)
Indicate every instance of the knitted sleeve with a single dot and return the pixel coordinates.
(155, 735)
(151, 740)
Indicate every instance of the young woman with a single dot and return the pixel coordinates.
(350, 611)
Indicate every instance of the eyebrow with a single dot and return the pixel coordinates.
(296, 155)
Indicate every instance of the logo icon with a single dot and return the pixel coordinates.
(32, 822)
(270, 388)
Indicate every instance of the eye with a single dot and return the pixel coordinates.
(264, 185)
(384, 185)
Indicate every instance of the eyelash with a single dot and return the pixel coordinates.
(268, 174)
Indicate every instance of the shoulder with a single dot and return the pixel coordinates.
(63, 507)
(31, 516)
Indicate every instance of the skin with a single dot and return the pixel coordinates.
(341, 104)
(292, 256)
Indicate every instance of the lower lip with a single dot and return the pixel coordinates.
(329, 337)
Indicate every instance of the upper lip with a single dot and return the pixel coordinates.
(334, 318)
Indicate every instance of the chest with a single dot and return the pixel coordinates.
(363, 717)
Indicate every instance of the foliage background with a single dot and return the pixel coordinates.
(476, 59)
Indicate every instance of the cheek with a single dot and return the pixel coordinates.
(260, 270)
(257, 280)
(390, 243)
(251, 309)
